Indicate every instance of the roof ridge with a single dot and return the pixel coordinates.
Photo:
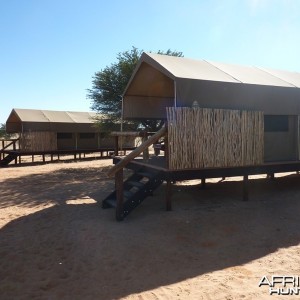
(68, 113)
(263, 70)
(210, 63)
(43, 112)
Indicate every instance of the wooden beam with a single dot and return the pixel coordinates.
(116, 152)
(120, 165)
(146, 151)
(128, 133)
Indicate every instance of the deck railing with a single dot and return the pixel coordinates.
(7, 144)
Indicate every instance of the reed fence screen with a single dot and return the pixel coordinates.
(204, 138)
(38, 141)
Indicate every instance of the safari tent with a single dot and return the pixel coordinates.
(221, 120)
(161, 81)
(46, 130)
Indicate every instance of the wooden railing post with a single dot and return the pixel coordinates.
(146, 151)
(14, 147)
(167, 148)
(119, 195)
(122, 163)
(116, 153)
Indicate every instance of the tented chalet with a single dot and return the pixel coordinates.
(161, 81)
(46, 130)
(221, 121)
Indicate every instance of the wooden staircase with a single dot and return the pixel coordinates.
(9, 157)
(136, 188)
(130, 193)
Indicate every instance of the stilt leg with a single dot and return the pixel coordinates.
(245, 188)
(203, 183)
(169, 195)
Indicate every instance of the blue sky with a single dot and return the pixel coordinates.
(50, 49)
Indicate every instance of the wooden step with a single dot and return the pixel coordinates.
(127, 194)
(146, 174)
(136, 184)
(107, 203)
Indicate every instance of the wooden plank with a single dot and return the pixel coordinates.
(146, 151)
(127, 133)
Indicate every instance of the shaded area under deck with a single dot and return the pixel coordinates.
(159, 164)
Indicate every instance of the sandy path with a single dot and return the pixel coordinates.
(57, 243)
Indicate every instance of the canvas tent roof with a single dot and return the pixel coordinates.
(181, 67)
(161, 80)
(47, 120)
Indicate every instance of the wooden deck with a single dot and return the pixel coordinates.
(159, 163)
(59, 154)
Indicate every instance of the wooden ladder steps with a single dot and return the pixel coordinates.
(136, 184)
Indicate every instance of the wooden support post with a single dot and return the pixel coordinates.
(122, 163)
(169, 195)
(146, 151)
(167, 149)
(51, 157)
(43, 157)
(32, 158)
(203, 183)
(14, 147)
(245, 188)
(119, 195)
(116, 153)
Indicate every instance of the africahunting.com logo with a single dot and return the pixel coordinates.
(281, 284)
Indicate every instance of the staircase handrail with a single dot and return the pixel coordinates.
(136, 152)
(13, 142)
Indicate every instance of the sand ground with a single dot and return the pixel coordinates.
(57, 243)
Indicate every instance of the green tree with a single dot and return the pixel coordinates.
(108, 86)
(3, 133)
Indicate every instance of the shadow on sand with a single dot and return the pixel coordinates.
(81, 252)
